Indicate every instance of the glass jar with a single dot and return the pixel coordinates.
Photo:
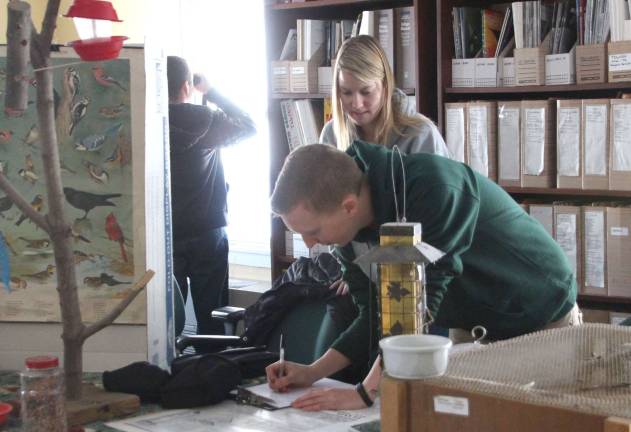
(42, 395)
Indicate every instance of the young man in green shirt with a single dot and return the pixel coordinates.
(501, 270)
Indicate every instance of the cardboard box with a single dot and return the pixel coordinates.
(508, 72)
(594, 242)
(595, 144)
(620, 144)
(463, 72)
(568, 234)
(561, 68)
(591, 64)
(530, 65)
(509, 143)
(486, 72)
(595, 316)
(619, 64)
(481, 138)
(619, 251)
(303, 76)
(544, 213)
(325, 79)
(280, 76)
(568, 139)
(456, 130)
(538, 164)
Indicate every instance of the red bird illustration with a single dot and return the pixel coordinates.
(5, 135)
(104, 79)
(115, 233)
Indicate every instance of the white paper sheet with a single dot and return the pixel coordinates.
(455, 133)
(534, 140)
(508, 134)
(621, 145)
(282, 400)
(231, 417)
(596, 140)
(544, 215)
(568, 141)
(594, 248)
(566, 237)
(478, 139)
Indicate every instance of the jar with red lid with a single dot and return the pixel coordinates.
(42, 395)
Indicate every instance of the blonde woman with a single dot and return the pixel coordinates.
(367, 105)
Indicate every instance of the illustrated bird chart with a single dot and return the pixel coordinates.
(93, 116)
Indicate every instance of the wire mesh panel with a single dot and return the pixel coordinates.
(585, 368)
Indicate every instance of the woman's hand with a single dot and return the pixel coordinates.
(330, 399)
(283, 375)
(340, 286)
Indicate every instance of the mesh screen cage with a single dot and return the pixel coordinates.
(585, 368)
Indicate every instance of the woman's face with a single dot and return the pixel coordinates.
(361, 101)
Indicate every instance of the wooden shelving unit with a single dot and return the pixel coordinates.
(447, 93)
(279, 18)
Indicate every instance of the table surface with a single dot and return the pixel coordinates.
(9, 386)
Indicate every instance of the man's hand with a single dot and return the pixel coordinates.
(330, 399)
(282, 376)
(201, 83)
(340, 286)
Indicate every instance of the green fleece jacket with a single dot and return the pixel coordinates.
(501, 270)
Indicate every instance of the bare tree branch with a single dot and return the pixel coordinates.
(18, 38)
(49, 24)
(114, 313)
(23, 205)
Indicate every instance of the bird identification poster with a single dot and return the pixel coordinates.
(100, 117)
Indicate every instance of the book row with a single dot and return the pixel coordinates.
(577, 144)
(596, 239)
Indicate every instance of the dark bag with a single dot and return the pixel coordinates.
(205, 380)
(251, 361)
(139, 378)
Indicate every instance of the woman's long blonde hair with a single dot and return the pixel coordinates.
(363, 57)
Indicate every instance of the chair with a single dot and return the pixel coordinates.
(308, 331)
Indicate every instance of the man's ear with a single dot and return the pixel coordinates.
(350, 204)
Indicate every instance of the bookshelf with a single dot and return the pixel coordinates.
(446, 94)
(279, 18)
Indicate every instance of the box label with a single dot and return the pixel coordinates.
(451, 405)
(620, 231)
(280, 71)
(619, 62)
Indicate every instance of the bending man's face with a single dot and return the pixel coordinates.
(329, 228)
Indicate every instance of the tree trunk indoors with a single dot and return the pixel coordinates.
(23, 39)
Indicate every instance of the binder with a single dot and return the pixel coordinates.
(456, 130)
(509, 143)
(481, 138)
(544, 213)
(538, 167)
(405, 47)
(618, 251)
(568, 234)
(595, 141)
(620, 142)
(594, 223)
(568, 138)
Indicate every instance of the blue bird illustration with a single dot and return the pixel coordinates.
(94, 142)
(5, 269)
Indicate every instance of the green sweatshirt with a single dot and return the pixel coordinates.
(501, 270)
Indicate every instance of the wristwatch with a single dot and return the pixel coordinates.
(361, 390)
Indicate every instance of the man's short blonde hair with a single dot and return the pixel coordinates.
(318, 175)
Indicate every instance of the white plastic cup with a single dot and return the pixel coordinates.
(415, 356)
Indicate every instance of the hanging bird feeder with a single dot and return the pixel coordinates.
(400, 258)
(93, 21)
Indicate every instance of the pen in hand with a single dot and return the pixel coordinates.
(281, 354)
